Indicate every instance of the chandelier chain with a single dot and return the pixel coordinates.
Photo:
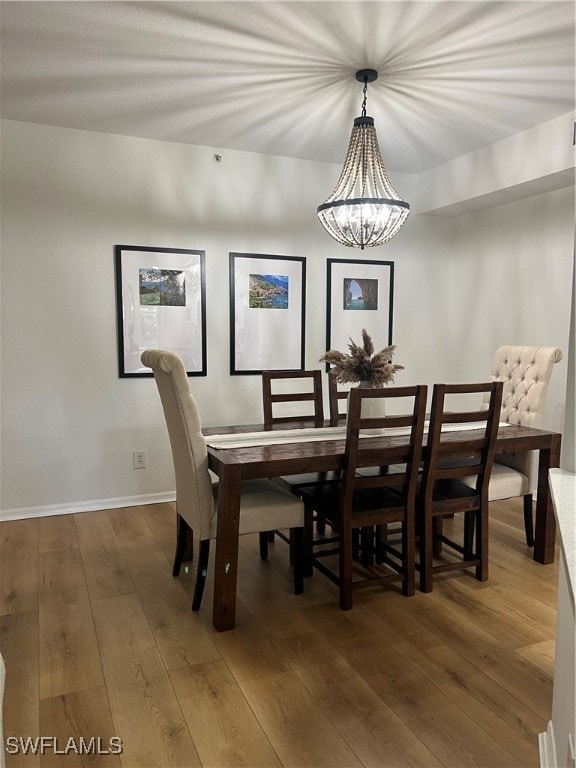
(364, 90)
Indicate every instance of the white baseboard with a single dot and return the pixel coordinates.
(547, 747)
(86, 506)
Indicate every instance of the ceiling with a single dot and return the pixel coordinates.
(278, 77)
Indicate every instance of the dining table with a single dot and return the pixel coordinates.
(248, 452)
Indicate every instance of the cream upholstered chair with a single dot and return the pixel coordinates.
(526, 373)
(264, 506)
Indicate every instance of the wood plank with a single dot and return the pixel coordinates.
(56, 532)
(510, 513)
(541, 654)
(503, 716)
(315, 590)
(168, 547)
(180, 635)
(18, 566)
(493, 612)
(248, 651)
(94, 525)
(24, 725)
(129, 523)
(543, 587)
(453, 737)
(370, 728)
(447, 731)
(270, 601)
(391, 621)
(516, 675)
(19, 647)
(295, 725)
(145, 711)
(162, 519)
(82, 715)
(69, 656)
(298, 729)
(509, 552)
(224, 728)
(106, 572)
(104, 566)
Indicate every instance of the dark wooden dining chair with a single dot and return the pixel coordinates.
(366, 502)
(443, 492)
(304, 388)
(301, 393)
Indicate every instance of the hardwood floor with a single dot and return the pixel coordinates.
(99, 641)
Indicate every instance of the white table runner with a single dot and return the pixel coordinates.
(313, 434)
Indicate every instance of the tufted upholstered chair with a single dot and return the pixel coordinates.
(526, 373)
(263, 505)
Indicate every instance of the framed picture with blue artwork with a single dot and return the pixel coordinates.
(360, 294)
(161, 304)
(267, 312)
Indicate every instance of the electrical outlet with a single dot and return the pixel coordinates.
(139, 459)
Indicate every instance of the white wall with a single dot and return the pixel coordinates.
(512, 284)
(69, 424)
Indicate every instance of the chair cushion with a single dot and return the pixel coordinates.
(505, 483)
(325, 498)
(264, 506)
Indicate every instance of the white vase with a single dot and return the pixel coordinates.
(371, 409)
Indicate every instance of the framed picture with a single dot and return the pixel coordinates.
(360, 295)
(161, 304)
(267, 312)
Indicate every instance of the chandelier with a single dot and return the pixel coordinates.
(364, 209)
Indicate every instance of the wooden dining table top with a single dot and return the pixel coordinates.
(328, 454)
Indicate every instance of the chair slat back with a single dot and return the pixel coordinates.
(335, 397)
(314, 396)
(402, 462)
(466, 454)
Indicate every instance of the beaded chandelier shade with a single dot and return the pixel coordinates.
(364, 209)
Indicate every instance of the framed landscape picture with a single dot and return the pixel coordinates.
(161, 304)
(360, 295)
(267, 312)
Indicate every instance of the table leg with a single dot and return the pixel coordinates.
(545, 535)
(226, 563)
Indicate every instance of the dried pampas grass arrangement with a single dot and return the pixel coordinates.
(362, 365)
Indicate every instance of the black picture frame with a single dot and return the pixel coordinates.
(359, 294)
(267, 316)
(160, 304)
